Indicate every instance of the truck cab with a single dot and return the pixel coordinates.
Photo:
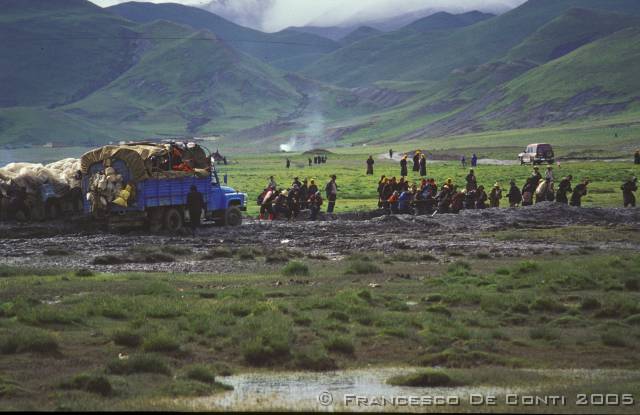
(537, 154)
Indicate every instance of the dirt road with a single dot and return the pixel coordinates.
(466, 233)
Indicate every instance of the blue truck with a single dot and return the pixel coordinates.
(147, 184)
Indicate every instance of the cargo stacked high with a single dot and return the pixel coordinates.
(147, 184)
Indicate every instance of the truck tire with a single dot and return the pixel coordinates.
(173, 220)
(233, 217)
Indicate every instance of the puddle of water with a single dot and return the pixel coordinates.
(302, 391)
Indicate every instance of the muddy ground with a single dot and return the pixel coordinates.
(442, 236)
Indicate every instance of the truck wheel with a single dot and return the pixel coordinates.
(173, 220)
(233, 217)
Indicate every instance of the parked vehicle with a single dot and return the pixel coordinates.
(537, 154)
(148, 183)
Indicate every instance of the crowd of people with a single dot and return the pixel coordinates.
(401, 196)
(286, 203)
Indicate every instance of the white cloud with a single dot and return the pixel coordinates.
(272, 15)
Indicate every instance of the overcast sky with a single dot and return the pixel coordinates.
(272, 15)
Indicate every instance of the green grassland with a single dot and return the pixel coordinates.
(358, 192)
(61, 332)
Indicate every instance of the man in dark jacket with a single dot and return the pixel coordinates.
(579, 191)
(514, 195)
(416, 161)
(370, 163)
(331, 190)
(472, 183)
(630, 186)
(195, 204)
(403, 167)
(563, 188)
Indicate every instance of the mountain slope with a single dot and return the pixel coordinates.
(444, 20)
(360, 33)
(411, 56)
(272, 47)
(573, 29)
(56, 51)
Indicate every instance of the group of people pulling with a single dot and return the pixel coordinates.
(280, 203)
(400, 196)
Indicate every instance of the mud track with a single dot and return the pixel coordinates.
(335, 237)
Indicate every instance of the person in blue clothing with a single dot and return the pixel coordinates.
(463, 161)
(474, 160)
(404, 201)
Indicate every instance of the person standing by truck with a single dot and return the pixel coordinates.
(331, 190)
(195, 204)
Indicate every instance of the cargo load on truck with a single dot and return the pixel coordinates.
(149, 182)
(46, 191)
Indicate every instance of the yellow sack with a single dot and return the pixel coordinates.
(120, 202)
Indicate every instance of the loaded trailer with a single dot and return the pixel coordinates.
(147, 184)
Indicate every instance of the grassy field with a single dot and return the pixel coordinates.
(358, 191)
(62, 332)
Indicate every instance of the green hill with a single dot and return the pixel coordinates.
(277, 48)
(573, 29)
(360, 33)
(82, 74)
(410, 56)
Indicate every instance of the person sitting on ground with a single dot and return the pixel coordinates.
(563, 188)
(495, 195)
(578, 192)
(628, 187)
(514, 195)
(280, 205)
(392, 202)
(315, 203)
(457, 201)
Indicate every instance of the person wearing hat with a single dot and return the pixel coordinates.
(403, 166)
(563, 188)
(495, 195)
(630, 186)
(195, 204)
(536, 176)
(331, 190)
(423, 165)
(514, 195)
(578, 192)
(370, 163)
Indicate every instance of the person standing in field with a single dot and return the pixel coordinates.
(288, 163)
(495, 195)
(370, 163)
(474, 160)
(391, 153)
(630, 186)
(472, 182)
(331, 190)
(563, 188)
(578, 192)
(195, 204)
(463, 161)
(636, 157)
(416, 161)
(514, 195)
(310, 161)
(403, 166)
(423, 165)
